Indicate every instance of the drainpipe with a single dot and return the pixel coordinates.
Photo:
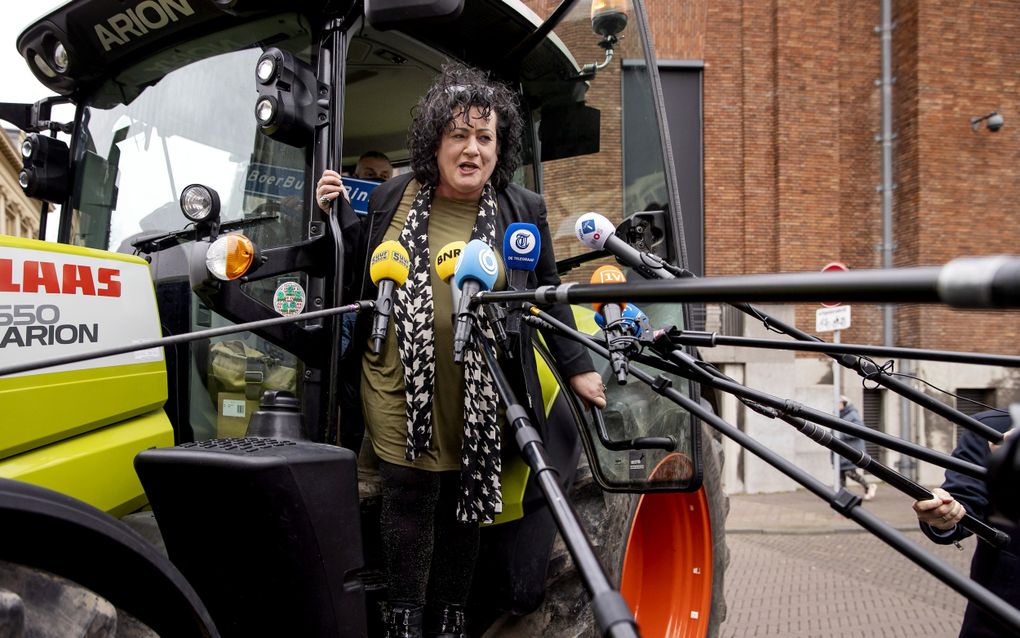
(906, 465)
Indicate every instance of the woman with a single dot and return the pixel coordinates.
(433, 423)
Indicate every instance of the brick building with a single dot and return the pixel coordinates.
(792, 174)
(19, 215)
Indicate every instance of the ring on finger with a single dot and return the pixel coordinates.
(324, 199)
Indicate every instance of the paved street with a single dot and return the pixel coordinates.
(798, 569)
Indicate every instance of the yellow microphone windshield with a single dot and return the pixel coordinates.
(446, 260)
(390, 261)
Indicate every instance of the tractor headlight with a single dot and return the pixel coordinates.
(200, 204)
(60, 58)
(265, 70)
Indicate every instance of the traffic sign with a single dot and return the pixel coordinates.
(830, 319)
(834, 266)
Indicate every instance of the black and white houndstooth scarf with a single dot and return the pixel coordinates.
(414, 313)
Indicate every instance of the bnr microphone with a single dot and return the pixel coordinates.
(388, 268)
(477, 270)
(446, 262)
(598, 233)
(612, 313)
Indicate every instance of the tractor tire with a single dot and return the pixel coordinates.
(608, 519)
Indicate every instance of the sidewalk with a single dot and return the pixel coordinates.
(801, 512)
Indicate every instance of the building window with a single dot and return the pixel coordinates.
(871, 413)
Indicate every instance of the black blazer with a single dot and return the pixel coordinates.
(363, 234)
(994, 568)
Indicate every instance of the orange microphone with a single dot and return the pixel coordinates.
(616, 336)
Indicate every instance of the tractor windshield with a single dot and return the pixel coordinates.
(177, 118)
(148, 133)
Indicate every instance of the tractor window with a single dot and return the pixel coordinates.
(181, 117)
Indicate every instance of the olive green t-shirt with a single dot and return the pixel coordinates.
(383, 400)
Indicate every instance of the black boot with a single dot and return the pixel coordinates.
(403, 621)
(447, 622)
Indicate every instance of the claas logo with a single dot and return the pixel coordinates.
(55, 279)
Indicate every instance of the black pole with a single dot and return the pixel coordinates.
(184, 338)
(612, 615)
(978, 282)
(868, 370)
(842, 501)
(969, 282)
(796, 409)
(863, 460)
(712, 339)
(860, 458)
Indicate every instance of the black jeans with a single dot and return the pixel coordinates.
(429, 554)
(854, 474)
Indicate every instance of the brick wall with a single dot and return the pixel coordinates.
(791, 114)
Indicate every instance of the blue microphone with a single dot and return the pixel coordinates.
(477, 270)
(521, 245)
(632, 317)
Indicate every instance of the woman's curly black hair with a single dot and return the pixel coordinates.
(456, 88)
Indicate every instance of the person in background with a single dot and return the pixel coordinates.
(996, 569)
(848, 412)
(433, 424)
(375, 166)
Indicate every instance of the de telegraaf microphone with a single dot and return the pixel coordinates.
(388, 268)
(521, 247)
(477, 270)
(612, 315)
(598, 233)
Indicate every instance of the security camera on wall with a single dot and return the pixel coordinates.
(993, 122)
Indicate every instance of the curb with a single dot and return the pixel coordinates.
(804, 531)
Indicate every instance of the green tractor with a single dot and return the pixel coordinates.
(199, 122)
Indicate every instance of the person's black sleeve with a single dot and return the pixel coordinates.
(970, 492)
(571, 357)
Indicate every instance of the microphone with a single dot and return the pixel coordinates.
(476, 270)
(389, 267)
(612, 315)
(446, 262)
(598, 233)
(632, 318)
(521, 247)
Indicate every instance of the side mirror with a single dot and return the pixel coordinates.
(288, 107)
(46, 168)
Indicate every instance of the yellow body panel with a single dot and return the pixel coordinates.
(514, 477)
(43, 408)
(97, 467)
